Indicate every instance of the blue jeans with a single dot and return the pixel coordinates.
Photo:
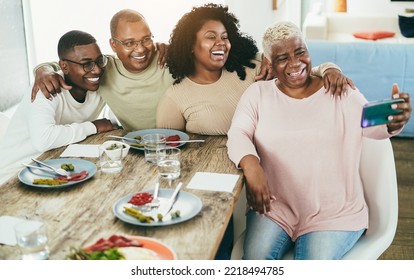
(266, 240)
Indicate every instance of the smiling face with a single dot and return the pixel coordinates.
(139, 58)
(80, 80)
(212, 47)
(291, 63)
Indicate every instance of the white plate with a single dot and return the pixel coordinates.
(166, 132)
(188, 204)
(27, 177)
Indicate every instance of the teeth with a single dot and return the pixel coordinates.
(93, 79)
(218, 52)
(294, 74)
(139, 57)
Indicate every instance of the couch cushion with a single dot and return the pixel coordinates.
(374, 35)
(406, 26)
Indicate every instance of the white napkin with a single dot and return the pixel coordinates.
(213, 182)
(81, 150)
(7, 224)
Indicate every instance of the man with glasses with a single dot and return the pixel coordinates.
(133, 82)
(70, 117)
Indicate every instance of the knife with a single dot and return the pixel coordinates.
(166, 208)
(30, 167)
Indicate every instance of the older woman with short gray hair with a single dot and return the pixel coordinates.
(299, 150)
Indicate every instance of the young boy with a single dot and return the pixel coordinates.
(70, 117)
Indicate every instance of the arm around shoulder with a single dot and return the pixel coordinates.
(47, 66)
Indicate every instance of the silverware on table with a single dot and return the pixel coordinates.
(124, 138)
(155, 202)
(185, 141)
(44, 169)
(168, 142)
(59, 171)
(166, 208)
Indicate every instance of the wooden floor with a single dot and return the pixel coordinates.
(402, 247)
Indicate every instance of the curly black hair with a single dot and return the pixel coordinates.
(180, 59)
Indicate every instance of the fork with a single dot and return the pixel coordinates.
(59, 171)
(124, 138)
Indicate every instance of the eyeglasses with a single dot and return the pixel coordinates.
(102, 61)
(132, 44)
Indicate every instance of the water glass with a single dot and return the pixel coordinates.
(154, 145)
(169, 166)
(31, 236)
(110, 157)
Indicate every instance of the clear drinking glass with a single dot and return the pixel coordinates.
(31, 236)
(154, 145)
(169, 165)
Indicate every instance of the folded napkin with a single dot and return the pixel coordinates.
(7, 224)
(81, 150)
(218, 182)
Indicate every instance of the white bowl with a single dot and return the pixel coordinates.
(108, 144)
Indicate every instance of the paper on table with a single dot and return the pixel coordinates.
(7, 224)
(213, 181)
(81, 150)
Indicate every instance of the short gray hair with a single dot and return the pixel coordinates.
(281, 30)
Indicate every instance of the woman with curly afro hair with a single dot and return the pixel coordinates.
(212, 63)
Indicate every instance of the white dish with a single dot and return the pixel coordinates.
(26, 176)
(109, 143)
(188, 204)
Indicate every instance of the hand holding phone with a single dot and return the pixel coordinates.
(377, 112)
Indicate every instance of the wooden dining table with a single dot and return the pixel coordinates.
(78, 216)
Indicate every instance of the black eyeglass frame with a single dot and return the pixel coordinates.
(145, 42)
(91, 64)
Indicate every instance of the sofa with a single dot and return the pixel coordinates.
(373, 67)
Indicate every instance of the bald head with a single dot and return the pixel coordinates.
(126, 15)
(281, 30)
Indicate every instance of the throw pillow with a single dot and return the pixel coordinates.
(406, 26)
(373, 35)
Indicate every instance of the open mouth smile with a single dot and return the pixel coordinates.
(296, 74)
(93, 80)
(142, 57)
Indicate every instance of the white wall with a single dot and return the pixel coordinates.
(378, 7)
(256, 15)
(47, 20)
(50, 19)
(369, 6)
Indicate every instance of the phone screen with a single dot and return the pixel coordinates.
(377, 112)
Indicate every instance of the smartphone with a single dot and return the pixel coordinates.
(377, 112)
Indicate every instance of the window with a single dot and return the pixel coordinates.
(14, 74)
